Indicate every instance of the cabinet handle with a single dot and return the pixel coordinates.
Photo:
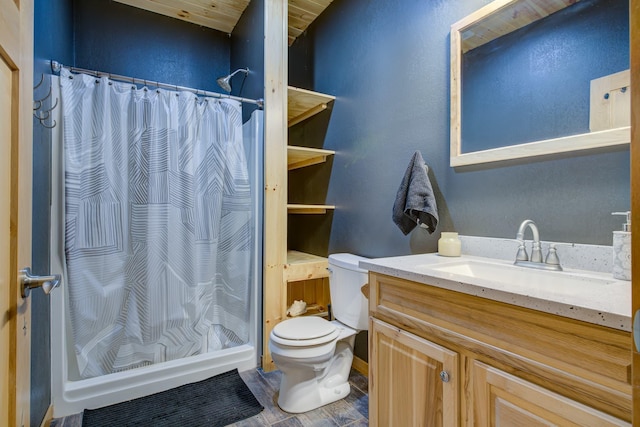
(444, 376)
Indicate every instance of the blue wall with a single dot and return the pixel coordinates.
(113, 37)
(52, 40)
(247, 50)
(387, 62)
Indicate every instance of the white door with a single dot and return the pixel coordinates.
(16, 70)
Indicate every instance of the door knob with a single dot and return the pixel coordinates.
(28, 282)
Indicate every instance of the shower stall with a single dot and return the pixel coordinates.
(80, 379)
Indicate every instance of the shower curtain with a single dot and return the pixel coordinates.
(158, 231)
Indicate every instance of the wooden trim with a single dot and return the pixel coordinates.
(303, 103)
(456, 95)
(303, 266)
(300, 157)
(634, 11)
(360, 366)
(275, 161)
(494, 20)
(609, 101)
(48, 417)
(308, 209)
(312, 112)
(23, 216)
(502, 17)
(585, 141)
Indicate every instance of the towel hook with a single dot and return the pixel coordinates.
(44, 114)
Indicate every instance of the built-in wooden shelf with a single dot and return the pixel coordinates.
(308, 209)
(302, 104)
(303, 266)
(316, 310)
(299, 157)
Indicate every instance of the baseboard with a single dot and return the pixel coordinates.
(360, 366)
(48, 417)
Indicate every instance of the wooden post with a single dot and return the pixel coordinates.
(634, 18)
(275, 170)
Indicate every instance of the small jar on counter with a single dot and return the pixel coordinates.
(449, 244)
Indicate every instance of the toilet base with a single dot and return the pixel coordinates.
(303, 390)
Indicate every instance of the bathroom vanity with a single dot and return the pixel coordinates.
(448, 346)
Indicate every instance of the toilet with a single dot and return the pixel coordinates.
(314, 354)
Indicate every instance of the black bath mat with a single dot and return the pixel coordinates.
(217, 401)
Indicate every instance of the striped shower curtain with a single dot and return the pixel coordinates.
(157, 224)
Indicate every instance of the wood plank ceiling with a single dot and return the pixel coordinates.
(223, 15)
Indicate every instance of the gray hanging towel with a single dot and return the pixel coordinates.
(415, 203)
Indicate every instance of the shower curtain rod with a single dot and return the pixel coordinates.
(56, 67)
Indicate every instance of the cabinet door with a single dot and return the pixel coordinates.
(501, 399)
(412, 382)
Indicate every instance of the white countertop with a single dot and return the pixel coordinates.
(607, 304)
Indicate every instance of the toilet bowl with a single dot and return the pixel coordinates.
(314, 354)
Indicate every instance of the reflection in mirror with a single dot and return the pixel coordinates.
(522, 94)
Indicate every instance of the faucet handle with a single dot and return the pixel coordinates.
(536, 252)
(552, 256)
(522, 254)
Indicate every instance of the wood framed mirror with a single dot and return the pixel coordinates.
(607, 97)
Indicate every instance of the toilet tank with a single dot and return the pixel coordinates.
(348, 304)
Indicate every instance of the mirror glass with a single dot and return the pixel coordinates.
(530, 90)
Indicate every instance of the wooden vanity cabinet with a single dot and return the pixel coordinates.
(443, 358)
(413, 374)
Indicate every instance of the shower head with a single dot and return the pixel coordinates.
(225, 82)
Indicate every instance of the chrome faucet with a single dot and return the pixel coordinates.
(522, 257)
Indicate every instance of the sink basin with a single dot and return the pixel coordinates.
(583, 295)
(508, 274)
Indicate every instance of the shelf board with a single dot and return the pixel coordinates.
(299, 157)
(308, 209)
(303, 266)
(302, 104)
(314, 310)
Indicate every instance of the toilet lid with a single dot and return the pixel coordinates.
(304, 328)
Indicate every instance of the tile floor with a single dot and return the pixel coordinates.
(351, 411)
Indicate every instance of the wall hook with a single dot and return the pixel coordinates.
(43, 115)
(41, 80)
